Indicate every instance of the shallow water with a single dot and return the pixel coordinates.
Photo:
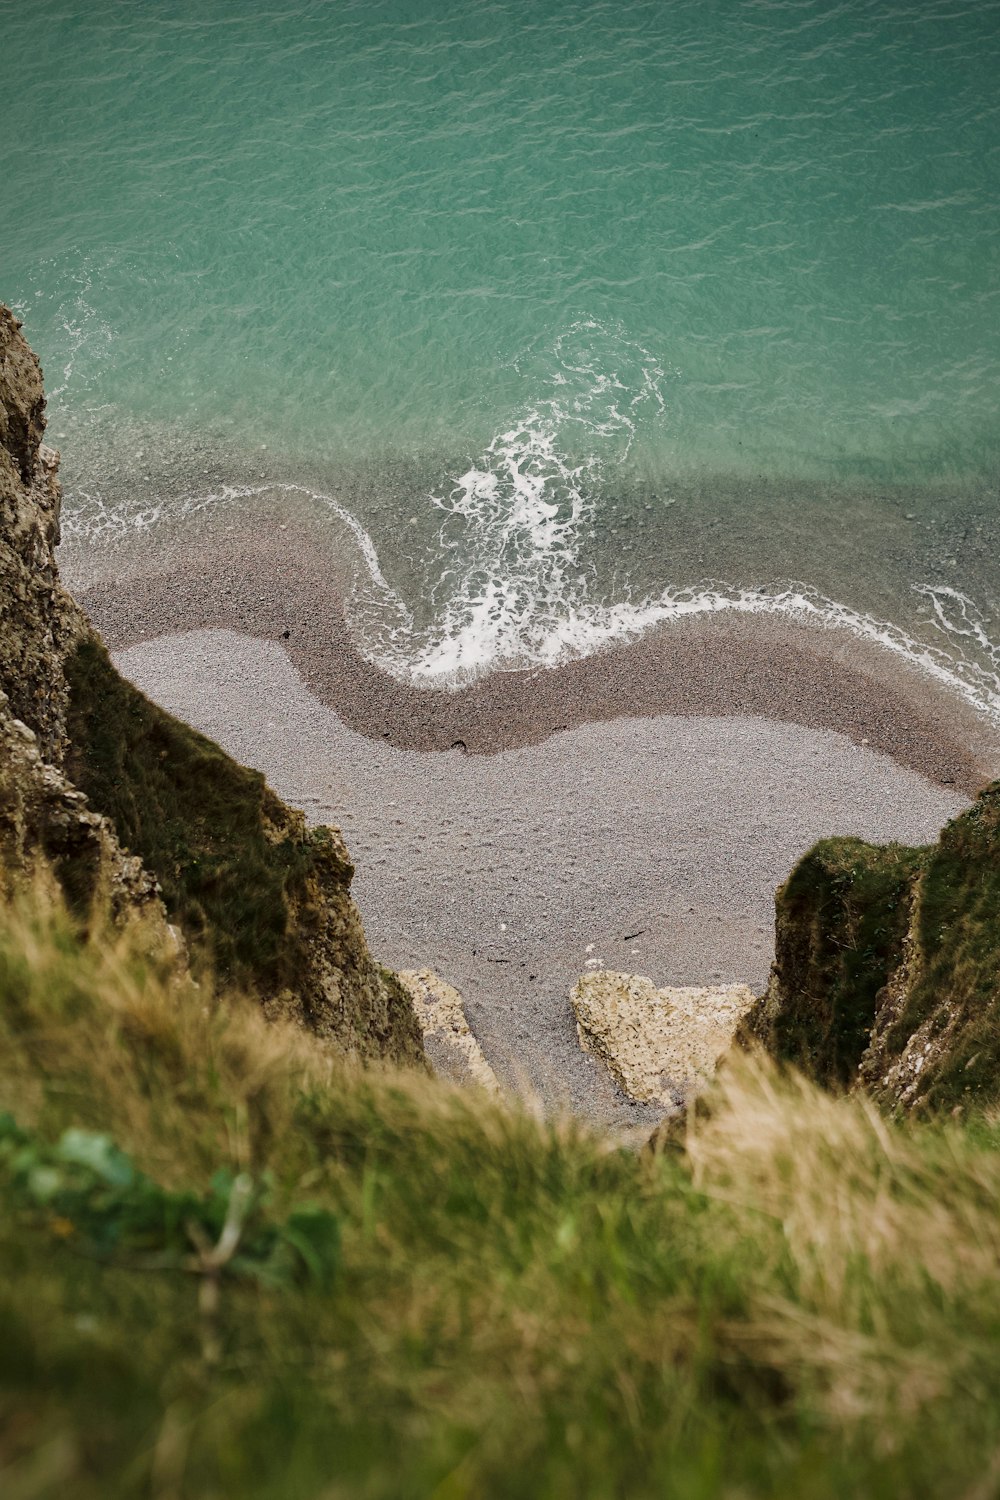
(580, 313)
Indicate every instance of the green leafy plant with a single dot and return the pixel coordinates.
(88, 1191)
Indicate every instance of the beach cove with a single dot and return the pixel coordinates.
(633, 810)
(499, 750)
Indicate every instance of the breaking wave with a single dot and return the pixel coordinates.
(513, 584)
(507, 633)
(514, 524)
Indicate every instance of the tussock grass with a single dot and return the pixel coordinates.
(802, 1303)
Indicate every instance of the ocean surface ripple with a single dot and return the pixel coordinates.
(555, 312)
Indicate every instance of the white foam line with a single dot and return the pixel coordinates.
(519, 516)
(452, 660)
(456, 661)
(388, 616)
(116, 520)
(517, 521)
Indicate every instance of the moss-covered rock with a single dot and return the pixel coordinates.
(261, 899)
(50, 838)
(937, 1041)
(887, 967)
(840, 921)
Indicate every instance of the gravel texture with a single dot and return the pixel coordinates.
(641, 844)
(275, 580)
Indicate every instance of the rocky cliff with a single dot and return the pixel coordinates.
(114, 800)
(887, 967)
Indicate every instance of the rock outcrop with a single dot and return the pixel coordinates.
(660, 1045)
(887, 968)
(115, 800)
(451, 1046)
(49, 837)
(38, 620)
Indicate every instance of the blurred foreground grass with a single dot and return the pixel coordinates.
(234, 1267)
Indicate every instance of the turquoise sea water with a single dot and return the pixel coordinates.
(567, 315)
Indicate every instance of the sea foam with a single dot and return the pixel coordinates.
(513, 581)
(506, 629)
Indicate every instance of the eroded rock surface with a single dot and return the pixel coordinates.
(49, 834)
(887, 967)
(38, 620)
(448, 1039)
(660, 1045)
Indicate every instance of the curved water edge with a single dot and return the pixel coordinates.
(599, 266)
(506, 630)
(514, 560)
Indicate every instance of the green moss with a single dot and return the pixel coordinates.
(199, 821)
(841, 919)
(957, 973)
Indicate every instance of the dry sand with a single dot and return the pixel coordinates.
(649, 844)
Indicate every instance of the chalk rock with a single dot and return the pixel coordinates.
(448, 1039)
(659, 1045)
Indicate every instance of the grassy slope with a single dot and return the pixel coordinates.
(805, 1304)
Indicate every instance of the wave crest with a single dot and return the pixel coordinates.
(513, 585)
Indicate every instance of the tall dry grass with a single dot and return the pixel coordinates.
(804, 1302)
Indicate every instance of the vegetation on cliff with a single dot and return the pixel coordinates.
(841, 918)
(240, 872)
(887, 967)
(235, 1264)
(116, 800)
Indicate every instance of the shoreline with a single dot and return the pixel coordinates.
(635, 808)
(280, 583)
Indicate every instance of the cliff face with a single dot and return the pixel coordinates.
(887, 967)
(116, 800)
(38, 621)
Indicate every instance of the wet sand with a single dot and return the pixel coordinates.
(278, 583)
